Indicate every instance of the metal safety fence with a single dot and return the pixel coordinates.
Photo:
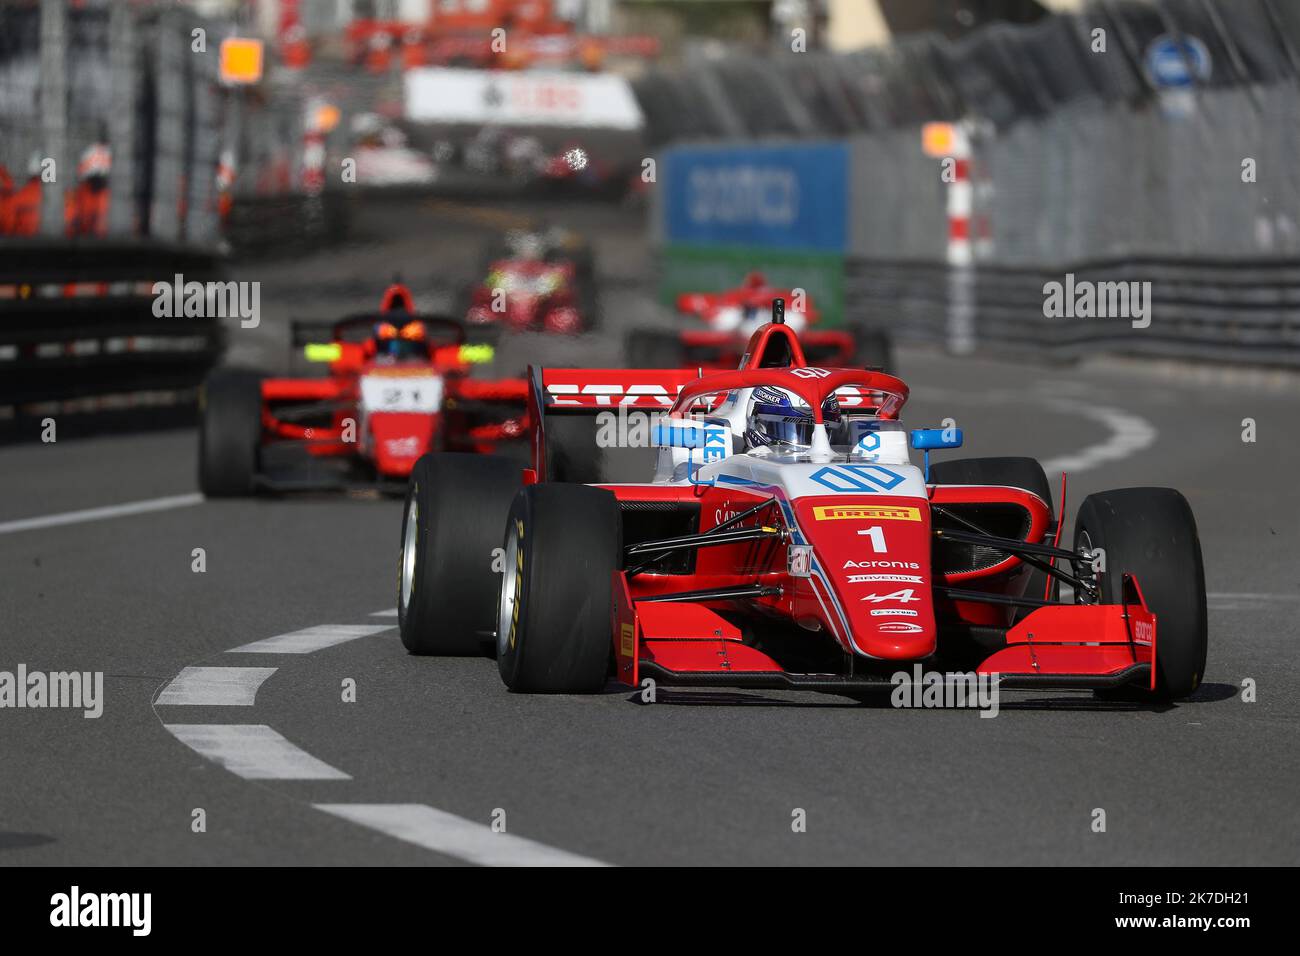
(125, 162)
(1003, 73)
(1148, 143)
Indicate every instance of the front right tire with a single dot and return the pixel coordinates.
(1151, 534)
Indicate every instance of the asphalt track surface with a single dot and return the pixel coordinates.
(433, 751)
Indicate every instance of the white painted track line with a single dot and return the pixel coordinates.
(254, 752)
(1129, 434)
(391, 612)
(215, 687)
(1245, 596)
(100, 514)
(455, 836)
(310, 639)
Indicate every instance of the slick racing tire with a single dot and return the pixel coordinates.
(1024, 473)
(873, 349)
(562, 545)
(230, 432)
(649, 348)
(1151, 534)
(448, 564)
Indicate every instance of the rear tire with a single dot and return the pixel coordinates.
(447, 585)
(562, 546)
(1024, 473)
(650, 348)
(1151, 534)
(230, 432)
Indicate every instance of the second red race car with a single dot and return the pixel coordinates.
(398, 385)
(721, 324)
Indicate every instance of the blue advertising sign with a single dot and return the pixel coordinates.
(785, 197)
(1175, 64)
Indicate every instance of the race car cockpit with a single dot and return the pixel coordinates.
(399, 342)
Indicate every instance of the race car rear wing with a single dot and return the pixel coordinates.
(359, 326)
(565, 447)
(592, 390)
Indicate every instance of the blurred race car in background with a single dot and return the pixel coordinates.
(398, 386)
(535, 280)
(384, 157)
(786, 540)
(729, 319)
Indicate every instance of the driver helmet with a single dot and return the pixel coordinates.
(779, 416)
(400, 342)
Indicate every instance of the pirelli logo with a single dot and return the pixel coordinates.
(865, 513)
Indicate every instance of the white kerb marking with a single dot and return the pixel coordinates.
(310, 639)
(215, 687)
(1129, 434)
(100, 514)
(455, 836)
(253, 751)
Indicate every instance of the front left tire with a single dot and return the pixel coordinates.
(563, 544)
(230, 432)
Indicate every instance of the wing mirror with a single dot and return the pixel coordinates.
(923, 439)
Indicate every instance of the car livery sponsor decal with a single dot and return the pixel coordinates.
(394, 393)
(571, 393)
(893, 612)
(858, 479)
(717, 442)
(897, 578)
(901, 565)
(899, 627)
(903, 596)
(865, 513)
(628, 639)
(407, 447)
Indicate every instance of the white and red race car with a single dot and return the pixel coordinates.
(782, 536)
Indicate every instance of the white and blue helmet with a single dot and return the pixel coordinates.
(779, 416)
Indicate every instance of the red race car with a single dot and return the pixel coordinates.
(534, 281)
(783, 537)
(731, 317)
(398, 386)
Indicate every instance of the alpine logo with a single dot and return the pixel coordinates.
(903, 596)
